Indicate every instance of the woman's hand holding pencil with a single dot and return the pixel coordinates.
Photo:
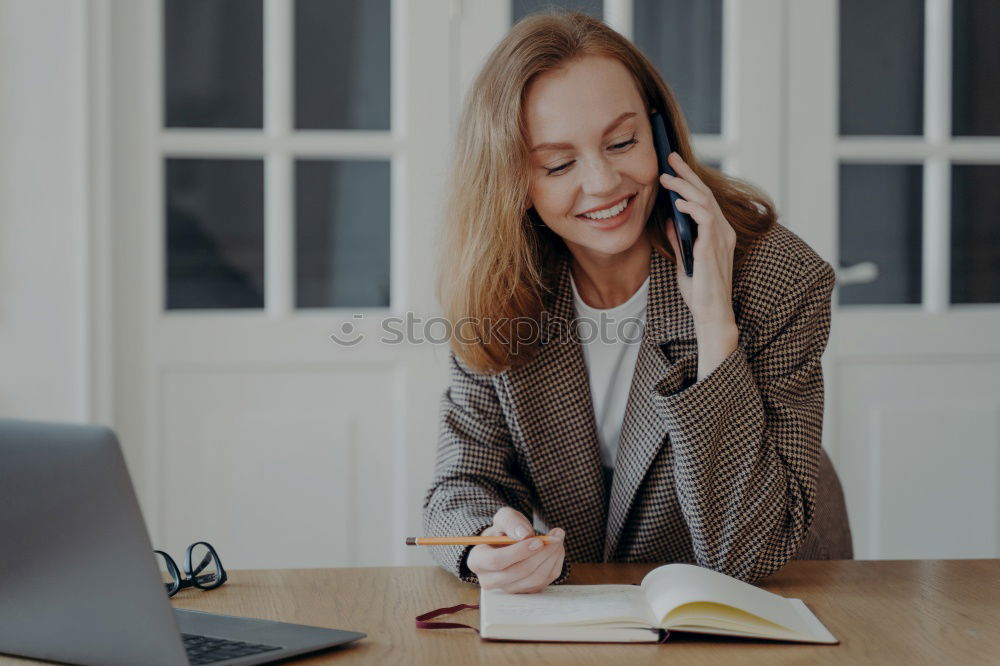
(509, 556)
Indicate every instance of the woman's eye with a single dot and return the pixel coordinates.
(554, 171)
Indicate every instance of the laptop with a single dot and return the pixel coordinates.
(79, 582)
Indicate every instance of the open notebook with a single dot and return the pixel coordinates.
(675, 597)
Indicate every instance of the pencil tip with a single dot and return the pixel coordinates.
(411, 541)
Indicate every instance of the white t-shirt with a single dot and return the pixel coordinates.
(610, 357)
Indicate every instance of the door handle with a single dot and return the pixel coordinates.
(864, 272)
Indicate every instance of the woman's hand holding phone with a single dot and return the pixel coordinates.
(709, 293)
(523, 567)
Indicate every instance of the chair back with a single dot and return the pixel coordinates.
(829, 537)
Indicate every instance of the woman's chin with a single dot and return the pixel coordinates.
(620, 242)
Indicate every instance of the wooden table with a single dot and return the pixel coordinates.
(899, 612)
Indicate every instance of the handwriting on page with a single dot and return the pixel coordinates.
(568, 604)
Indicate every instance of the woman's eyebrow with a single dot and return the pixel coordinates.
(615, 123)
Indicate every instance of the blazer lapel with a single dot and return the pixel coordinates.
(667, 356)
(551, 398)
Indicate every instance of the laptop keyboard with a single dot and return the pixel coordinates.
(208, 649)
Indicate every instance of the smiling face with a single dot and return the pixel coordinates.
(591, 150)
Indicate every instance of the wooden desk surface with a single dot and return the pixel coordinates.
(883, 612)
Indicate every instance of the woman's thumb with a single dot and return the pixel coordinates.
(513, 523)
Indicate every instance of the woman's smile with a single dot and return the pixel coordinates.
(613, 222)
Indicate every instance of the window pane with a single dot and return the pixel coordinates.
(215, 233)
(342, 77)
(881, 222)
(683, 39)
(975, 68)
(342, 233)
(881, 67)
(521, 8)
(975, 234)
(213, 63)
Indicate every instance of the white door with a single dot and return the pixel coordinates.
(276, 179)
(894, 166)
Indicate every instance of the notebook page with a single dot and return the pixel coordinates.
(566, 604)
(673, 585)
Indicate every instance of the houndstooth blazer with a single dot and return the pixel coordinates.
(720, 472)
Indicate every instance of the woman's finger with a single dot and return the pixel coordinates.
(700, 214)
(488, 580)
(506, 579)
(530, 575)
(523, 568)
(485, 558)
(555, 570)
(498, 558)
(682, 187)
(687, 173)
(513, 523)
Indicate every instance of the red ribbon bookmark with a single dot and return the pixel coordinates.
(422, 620)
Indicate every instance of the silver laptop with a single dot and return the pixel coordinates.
(78, 579)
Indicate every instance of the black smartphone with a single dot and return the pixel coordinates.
(687, 229)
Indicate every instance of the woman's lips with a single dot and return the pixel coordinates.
(611, 222)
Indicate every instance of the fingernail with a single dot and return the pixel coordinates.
(535, 544)
(520, 532)
(559, 533)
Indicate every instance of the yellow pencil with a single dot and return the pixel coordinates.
(467, 540)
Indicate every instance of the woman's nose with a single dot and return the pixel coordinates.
(600, 177)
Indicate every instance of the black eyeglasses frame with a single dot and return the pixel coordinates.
(202, 581)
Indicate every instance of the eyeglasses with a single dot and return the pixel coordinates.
(208, 574)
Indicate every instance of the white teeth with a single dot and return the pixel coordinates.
(608, 212)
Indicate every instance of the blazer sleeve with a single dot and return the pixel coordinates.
(747, 437)
(476, 471)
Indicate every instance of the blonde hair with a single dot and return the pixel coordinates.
(499, 260)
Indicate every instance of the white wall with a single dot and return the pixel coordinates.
(43, 211)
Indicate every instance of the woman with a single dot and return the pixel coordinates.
(698, 443)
